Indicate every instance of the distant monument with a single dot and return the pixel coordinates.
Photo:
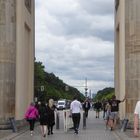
(127, 54)
(16, 57)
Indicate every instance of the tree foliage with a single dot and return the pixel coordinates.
(53, 86)
(104, 94)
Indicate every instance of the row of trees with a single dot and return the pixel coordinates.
(52, 86)
(55, 88)
(104, 94)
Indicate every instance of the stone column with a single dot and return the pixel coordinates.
(132, 49)
(7, 59)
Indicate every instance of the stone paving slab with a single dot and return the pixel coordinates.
(128, 135)
(95, 130)
(4, 133)
(61, 135)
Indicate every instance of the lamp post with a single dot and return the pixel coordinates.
(86, 87)
(66, 88)
(39, 96)
(42, 88)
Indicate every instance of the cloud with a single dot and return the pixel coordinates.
(76, 42)
(98, 7)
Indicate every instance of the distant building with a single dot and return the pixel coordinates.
(16, 57)
(127, 54)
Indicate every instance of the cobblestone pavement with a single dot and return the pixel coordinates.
(95, 130)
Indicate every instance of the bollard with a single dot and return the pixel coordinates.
(13, 124)
(57, 120)
(84, 120)
(124, 125)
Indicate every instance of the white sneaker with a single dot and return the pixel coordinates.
(31, 133)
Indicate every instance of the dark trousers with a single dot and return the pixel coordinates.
(50, 128)
(104, 113)
(31, 123)
(76, 120)
(86, 113)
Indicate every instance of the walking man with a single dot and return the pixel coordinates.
(98, 107)
(114, 103)
(75, 108)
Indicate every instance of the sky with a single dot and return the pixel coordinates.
(74, 39)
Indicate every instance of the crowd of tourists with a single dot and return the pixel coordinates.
(42, 113)
(46, 117)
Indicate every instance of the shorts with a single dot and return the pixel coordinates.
(97, 110)
(108, 113)
(113, 115)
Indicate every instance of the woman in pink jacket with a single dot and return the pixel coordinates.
(31, 115)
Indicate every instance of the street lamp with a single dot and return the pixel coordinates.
(66, 88)
(42, 88)
(86, 87)
(39, 95)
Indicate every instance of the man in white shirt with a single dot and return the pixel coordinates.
(136, 119)
(75, 108)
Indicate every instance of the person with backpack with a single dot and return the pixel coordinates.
(43, 118)
(31, 116)
(97, 107)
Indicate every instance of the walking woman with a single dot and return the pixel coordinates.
(50, 116)
(43, 118)
(86, 106)
(31, 115)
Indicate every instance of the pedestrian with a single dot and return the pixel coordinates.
(108, 111)
(31, 116)
(97, 107)
(104, 103)
(136, 119)
(37, 105)
(114, 103)
(50, 116)
(43, 118)
(75, 108)
(86, 107)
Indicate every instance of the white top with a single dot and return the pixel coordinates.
(75, 106)
(137, 108)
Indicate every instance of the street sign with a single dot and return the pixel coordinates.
(42, 88)
(66, 88)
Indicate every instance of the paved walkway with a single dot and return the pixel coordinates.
(95, 130)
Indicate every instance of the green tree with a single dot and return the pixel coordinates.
(104, 94)
(53, 86)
